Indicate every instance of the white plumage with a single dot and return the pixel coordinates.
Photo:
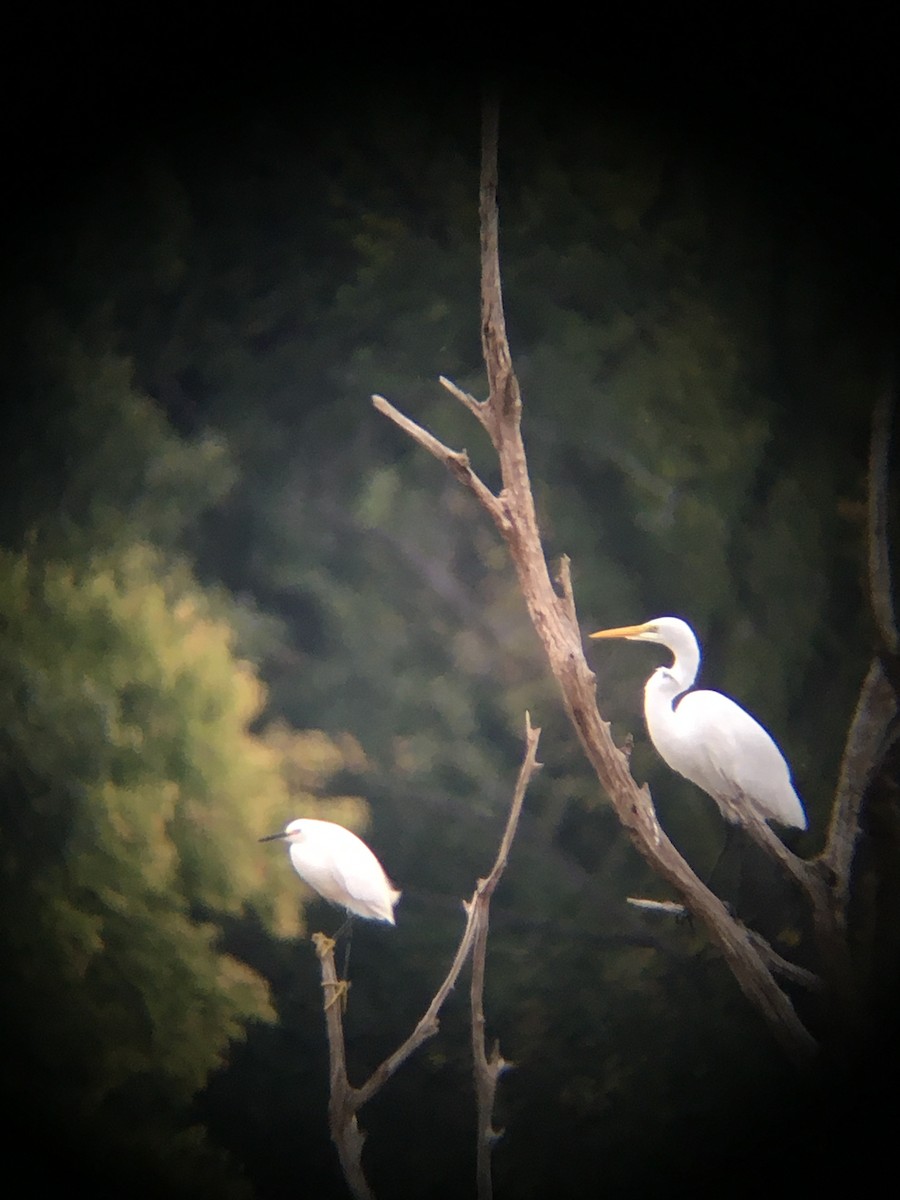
(340, 867)
(708, 738)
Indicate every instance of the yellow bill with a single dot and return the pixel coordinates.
(624, 631)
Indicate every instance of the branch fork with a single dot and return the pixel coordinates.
(346, 1100)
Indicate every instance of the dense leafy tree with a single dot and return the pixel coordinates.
(135, 782)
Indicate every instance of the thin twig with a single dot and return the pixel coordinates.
(564, 579)
(788, 970)
(505, 399)
(479, 408)
(668, 908)
(428, 1024)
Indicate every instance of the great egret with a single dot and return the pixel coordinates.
(708, 738)
(340, 866)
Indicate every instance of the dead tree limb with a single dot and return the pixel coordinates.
(345, 1132)
(554, 618)
(345, 1101)
(488, 1068)
(881, 591)
(875, 726)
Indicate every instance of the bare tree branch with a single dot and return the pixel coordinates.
(345, 1101)
(505, 399)
(875, 726)
(880, 589)
(478, 408)
(874, 729)
(487, 1069)
(456, 461)
(781, 966)
(345, 1132)
(555, 621)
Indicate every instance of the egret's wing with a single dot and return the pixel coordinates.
(735, 758)
(363, 877)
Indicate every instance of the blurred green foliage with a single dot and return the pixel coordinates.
(136, 779)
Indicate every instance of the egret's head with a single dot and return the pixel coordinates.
(673, 633)
(665, 631)
(292, 832)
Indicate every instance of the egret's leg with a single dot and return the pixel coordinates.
(344, 927)
(725, 854)
(347, 928)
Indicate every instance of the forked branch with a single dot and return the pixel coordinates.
(345, 1101)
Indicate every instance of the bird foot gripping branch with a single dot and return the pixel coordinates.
(340, 992)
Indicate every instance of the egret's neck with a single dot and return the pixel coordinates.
(686, 665)
(663, 688)
(666, 684)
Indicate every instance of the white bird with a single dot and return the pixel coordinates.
(340, 867)
(708, 738)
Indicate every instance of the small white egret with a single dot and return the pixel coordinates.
(340, 866)
(708, 738)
